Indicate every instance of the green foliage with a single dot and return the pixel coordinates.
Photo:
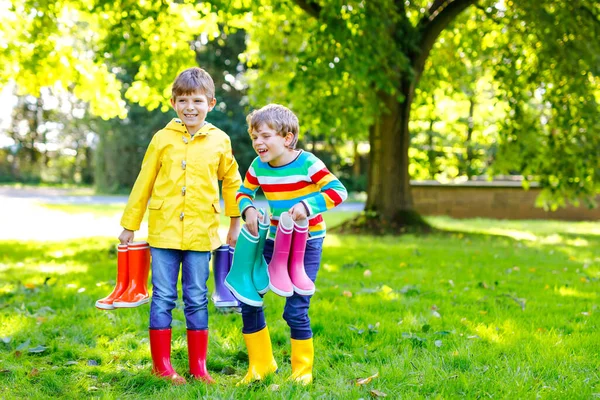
(489, 309)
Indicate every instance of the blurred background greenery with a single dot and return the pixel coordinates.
(386, 91)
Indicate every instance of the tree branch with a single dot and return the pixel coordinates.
(311, 7)
(437, 4)
(433, 25)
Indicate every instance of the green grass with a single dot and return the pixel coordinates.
(502, 309)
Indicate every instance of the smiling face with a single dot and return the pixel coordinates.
(192, 109)
(272, 147)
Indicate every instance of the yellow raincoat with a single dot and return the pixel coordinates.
(180, 176)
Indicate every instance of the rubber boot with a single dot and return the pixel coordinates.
(222, 297)
(279, 278)
(239, 278)
(303, 355)
(160, 348)
(139, 268)
(260, 356)
(122, 280)
(260, 277)
(300, 281)
(197, 349)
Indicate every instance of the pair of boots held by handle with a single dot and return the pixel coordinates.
(133, 267)
(250, 276)
(286, 269)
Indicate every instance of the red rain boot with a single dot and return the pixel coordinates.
(197, 349)
(160, 348)
(122, 280)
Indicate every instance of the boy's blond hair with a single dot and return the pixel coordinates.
(277, 117)
(191, 80)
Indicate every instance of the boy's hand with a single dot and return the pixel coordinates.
(252, 220)
(234, 231)
(298, 212)
(126, 236)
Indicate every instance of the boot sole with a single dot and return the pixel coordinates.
(103, 306)
(130, 305)
(304, 292)
(241, 298)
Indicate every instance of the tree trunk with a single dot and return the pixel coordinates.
(389, 194)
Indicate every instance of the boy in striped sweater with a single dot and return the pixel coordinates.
(298, 187)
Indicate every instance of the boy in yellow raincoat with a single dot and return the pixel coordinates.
(179, 176)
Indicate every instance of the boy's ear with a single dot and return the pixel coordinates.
(289, 138)
(173, 102)
(211, 104)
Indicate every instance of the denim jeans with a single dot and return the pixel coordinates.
(295, 312)
(194, 274)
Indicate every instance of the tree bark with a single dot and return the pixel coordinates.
(389, 195)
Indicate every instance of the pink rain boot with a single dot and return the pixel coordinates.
(301, 282)
(279, 278)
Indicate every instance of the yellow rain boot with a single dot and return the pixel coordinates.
(260, 356)
(303, 355)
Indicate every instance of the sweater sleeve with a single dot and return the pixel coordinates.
(247, 191)
(331, 191)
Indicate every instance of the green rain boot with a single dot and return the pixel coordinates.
(239, 278)
(260, 277)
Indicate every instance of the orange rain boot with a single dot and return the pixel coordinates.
(122, 280)
(139, 268)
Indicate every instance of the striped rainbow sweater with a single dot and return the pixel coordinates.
(306, 180)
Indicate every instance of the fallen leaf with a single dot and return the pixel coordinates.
(38, 349)
(23, 345)
(347, 293)
(425, 328)
(92, 363)
(436, 314)
(367, 273)
(29, 285)
(438, 343)
(6, 339)
(70, 363)
(274, 388)
(355, 329)
(364, 381)
(34, 372)
(377, 393)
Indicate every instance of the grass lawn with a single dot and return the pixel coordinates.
(502, 309)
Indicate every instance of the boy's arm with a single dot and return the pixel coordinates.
(142, 189)
(247, 192)
(228, 173)
(331, 191)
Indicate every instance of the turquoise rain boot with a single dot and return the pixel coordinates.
(260, 277)
(239, 278)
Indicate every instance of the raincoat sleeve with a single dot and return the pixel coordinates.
(142, 189)
(229, 174)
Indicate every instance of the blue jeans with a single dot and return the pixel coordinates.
(194, 274)
(295, 312)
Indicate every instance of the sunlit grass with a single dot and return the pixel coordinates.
(480, 311)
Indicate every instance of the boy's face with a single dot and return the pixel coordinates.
(270, 146)
(192, 109)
